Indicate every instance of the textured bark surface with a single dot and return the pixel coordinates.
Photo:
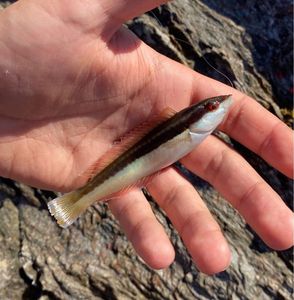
(251, 43)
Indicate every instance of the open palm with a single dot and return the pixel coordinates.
(73, 81)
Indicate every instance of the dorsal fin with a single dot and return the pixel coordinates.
(127, 141)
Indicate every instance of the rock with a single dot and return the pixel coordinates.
(12, 285)
(251, 43)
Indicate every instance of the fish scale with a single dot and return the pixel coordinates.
(134, 163)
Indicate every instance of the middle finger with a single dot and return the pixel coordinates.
(243, 187)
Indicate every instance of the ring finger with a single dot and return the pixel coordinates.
(190, 216)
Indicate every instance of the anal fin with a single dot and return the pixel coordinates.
(143, 182)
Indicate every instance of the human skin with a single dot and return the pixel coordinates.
(73, 80)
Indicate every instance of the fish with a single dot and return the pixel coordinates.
(142, 155)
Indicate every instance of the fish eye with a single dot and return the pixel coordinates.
(211, 106)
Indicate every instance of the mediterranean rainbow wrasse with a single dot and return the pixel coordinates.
(143, 154)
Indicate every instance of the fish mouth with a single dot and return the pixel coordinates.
(226, 101)
(225, 97)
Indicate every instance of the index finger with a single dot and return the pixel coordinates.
(259, 130)
(252, 125)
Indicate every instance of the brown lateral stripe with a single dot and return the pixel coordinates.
(159, 135)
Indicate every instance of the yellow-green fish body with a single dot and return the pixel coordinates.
(160, 147)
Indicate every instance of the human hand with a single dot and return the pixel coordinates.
(72, 81)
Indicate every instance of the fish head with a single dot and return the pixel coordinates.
(209, 114)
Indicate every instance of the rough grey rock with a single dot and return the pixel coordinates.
(251, 43)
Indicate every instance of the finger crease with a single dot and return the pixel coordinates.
(214, 166)
(264, 145)
(235, 115)
(247, 195)
(171, 196)
(138, 226)
(122, 211)
(189, 219)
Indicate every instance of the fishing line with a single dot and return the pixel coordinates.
(203, 57)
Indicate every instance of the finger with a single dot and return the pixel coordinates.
(255, 127)
(122, 10)
(142, 229)
(248, 122)
(199, 231)
(239, 183)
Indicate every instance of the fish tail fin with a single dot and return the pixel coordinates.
(66, 208)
